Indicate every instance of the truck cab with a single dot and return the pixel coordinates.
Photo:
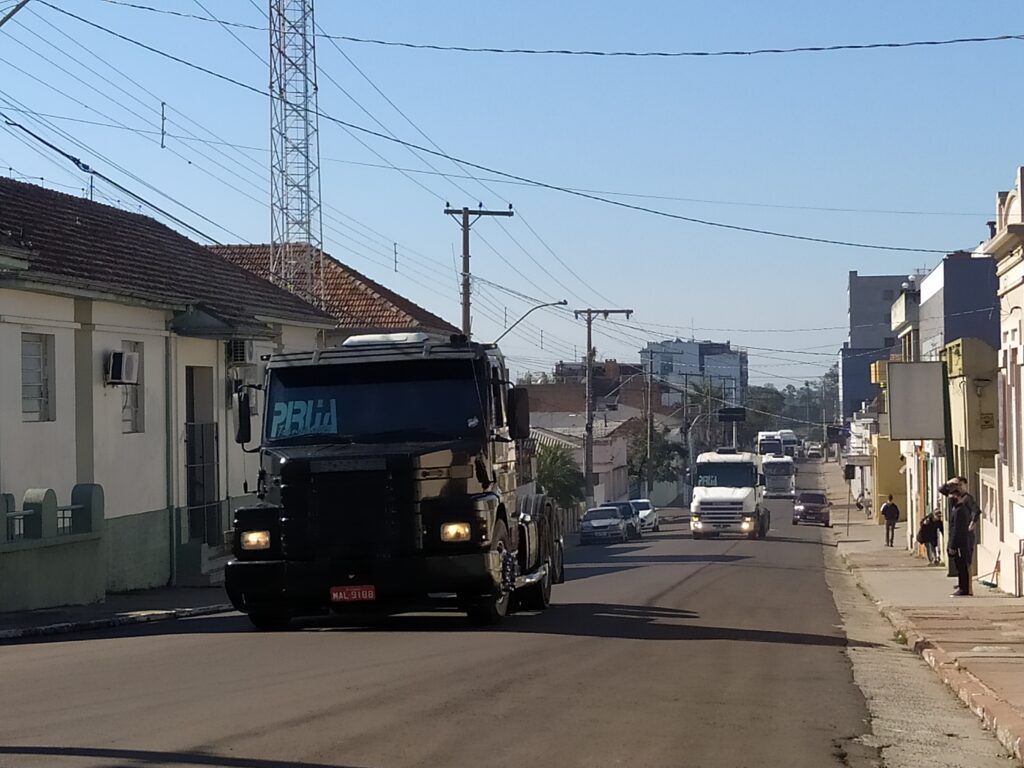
(394, 469)
(727, 496)
(790, 442)
(769, 443)
(779, 477)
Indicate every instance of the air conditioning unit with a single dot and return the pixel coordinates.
(122, 368)
(241, 352)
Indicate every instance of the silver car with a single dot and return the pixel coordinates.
(604, 524)
(649, 518)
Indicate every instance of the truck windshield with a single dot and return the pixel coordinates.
(778, 469)
(726, 475)
(374, 402)
(770, 446)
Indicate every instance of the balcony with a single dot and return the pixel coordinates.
(905, 312)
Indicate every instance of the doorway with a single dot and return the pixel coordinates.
(202, 467)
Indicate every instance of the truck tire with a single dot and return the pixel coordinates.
(269, 619)
(488, 610)
(559, 573)
(538, 597)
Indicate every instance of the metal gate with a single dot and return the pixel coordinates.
(202, 483)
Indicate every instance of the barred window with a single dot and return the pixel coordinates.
(37, 377)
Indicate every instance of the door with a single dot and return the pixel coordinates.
(202, 470)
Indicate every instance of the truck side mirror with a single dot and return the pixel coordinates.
(519, 413)
(242, 417)
(760, 479)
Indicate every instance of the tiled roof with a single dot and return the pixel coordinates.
(353, 299)
(83, 245)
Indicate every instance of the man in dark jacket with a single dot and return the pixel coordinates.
(961, 543)
(891, 513)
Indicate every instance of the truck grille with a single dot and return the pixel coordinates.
(363, 514)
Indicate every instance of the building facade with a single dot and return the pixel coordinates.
(82, 286)
(714, 367)
(870, 338)
(1000, 490)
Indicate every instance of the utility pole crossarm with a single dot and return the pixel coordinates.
(465, 214)
(14, 10)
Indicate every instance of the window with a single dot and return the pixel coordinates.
(133, 405)
(666, 367)
(888, 294)
(37, 377)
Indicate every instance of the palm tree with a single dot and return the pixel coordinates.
(559, 475)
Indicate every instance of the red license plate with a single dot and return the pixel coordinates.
(355, 594)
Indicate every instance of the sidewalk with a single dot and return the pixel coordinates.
(975, 644)
(117, 610)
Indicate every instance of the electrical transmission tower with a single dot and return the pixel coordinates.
(296, 222)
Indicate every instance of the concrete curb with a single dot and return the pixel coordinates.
(997, 714)
(138, 617)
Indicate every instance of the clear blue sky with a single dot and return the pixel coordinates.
(922, 129)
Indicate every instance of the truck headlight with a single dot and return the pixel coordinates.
(255, 540)
(456, 531)
(748, 519)
(745, 525)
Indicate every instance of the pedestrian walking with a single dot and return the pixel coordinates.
(928, 534)
(961, 543)
(891, 513)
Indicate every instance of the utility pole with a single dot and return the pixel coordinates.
(588, 445)
(650, 422)
(467, 224)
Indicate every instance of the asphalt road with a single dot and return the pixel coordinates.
(663, 652)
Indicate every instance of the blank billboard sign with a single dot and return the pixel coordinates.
(915, 401)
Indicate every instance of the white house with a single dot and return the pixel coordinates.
(79, 282)
(1000, 490)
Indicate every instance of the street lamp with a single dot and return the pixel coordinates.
(561, 303)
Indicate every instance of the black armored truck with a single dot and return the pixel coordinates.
(395, 470)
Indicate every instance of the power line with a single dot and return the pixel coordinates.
(618, 54)
(540, 184)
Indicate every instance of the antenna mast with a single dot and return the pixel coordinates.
(296, 221)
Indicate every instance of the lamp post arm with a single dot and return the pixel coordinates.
(561, 303)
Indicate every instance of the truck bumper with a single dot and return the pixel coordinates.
(396, 581)
(714, 529)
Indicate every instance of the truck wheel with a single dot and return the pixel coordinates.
(538, 597)
(559, 573)
(488, 610)
(269, 619)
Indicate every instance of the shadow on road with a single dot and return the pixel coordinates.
(652, 623)
(146, 757)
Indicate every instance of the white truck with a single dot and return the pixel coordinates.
(779, 477)
(768, 443)
(790, 442)
(728, 494)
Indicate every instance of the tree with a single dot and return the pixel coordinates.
(666, 457)
(559, 475)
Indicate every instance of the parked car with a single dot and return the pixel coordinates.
(812, 507)
(603, 524)
(630, 514)
(649, 518)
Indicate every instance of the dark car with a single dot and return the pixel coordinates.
(630, 514)
(812, 507)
